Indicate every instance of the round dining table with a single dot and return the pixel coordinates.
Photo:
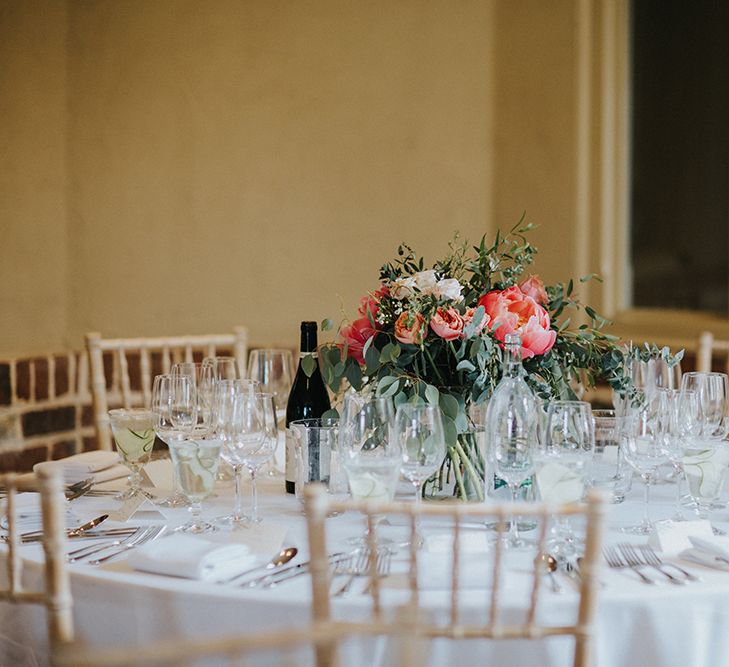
(662, 624)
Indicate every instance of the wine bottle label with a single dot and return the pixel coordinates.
(290, 457)
(308, 354)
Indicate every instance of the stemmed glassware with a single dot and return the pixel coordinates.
(254, 458)
(273, 370)
(370, 456)
(684, 427)
(712, 390)
(241, 420)
(565, 454)
(175, 407)
(133, 430)
(420, 436)
(196, 458)
(645, 445)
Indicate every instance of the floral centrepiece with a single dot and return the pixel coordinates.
(436, 335)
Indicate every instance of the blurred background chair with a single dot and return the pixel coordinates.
(123, 376)
(708, 348)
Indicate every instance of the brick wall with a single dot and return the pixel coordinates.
(45, 409)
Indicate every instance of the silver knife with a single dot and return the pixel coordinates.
(290, 572)
(37, 535)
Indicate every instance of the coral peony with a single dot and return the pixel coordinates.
(511, 310)
(410, 328)
(447, 323)
(534, 287)
(468, 317)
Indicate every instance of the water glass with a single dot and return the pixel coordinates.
(317, 455)
(196, 465)
(609, 470)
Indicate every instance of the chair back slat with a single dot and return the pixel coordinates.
(495, 570)
(154, 355)
(145, 372)
(126, 389)
(455, 568)
(413, 572)
(13, 564)
(166, 360)
(536, 578)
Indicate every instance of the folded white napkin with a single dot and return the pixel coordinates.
(558, 484)
(710, 551)
(192, 558)
(99, 466)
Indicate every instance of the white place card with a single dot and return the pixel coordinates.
(159, 474)
(671, 537)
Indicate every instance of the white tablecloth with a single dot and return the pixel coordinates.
(638, 625)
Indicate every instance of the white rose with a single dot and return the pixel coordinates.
(448, 288)
(402, 288)
(425, 280)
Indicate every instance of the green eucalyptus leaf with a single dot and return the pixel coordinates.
(329, 416)
(450, 430)
(326, 324)
(432, 394)
(308, 365)
(353, 374)
(449, 405)
(465, 365)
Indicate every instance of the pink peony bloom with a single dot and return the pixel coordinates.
(534, 287)
(512, 311)
(356, 335)
(468, 317)
(410, 328)
(447, 323)
(370, 303)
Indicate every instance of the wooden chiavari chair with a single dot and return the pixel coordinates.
(319, 505)
(708, 347)
(56, 594)
(115, 387)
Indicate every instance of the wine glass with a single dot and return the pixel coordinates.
(563, 460)
(242, 424)
(684, 427)
(608, 468)
(420, 436)
(370, 456)
(223, 368)
(253, 457)
(133, 430)
(713, 395)
(644, 441)
(174, 404)
(196, 461)
(273, 369)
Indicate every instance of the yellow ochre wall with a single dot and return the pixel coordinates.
(175, 166)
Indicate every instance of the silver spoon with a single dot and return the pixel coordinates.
(550, 564)
(281, 558)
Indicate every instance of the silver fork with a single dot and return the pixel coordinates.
(615, 561)
(91, 549)
(355, 566)
(635, 560)
(151, 534)
(651, 557)
(384, 560)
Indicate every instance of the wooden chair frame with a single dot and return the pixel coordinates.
(708, 345)
(173, 349)
(319, 505)
(56, 596)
